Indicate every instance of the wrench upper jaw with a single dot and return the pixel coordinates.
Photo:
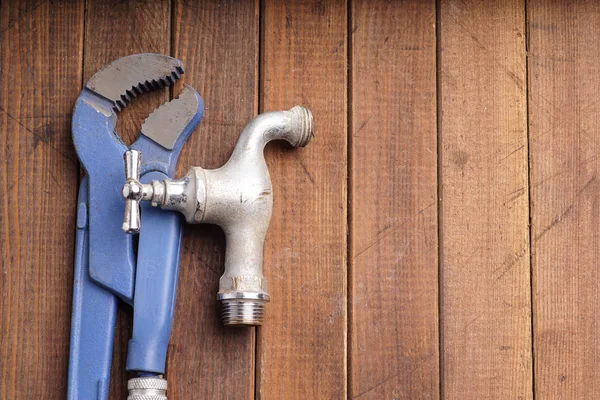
(126, 78)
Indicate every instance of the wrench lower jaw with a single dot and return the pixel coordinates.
(147, 388)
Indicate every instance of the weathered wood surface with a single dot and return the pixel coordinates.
(484, 214)
(565, 139)
(40, 78)
(401, 259)
(303, 355)
(393, 300)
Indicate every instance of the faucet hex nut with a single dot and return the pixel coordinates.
(242, 284)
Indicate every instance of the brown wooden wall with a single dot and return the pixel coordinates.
(438, 238)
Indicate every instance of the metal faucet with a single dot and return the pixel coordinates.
(238, 197)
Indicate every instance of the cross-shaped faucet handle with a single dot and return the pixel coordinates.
(132, 191)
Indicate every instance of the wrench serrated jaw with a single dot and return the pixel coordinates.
(126, 78)
(168, 122)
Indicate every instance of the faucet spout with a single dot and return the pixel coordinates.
(293, 126)
(239, 198)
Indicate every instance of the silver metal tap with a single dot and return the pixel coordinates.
(238, 197)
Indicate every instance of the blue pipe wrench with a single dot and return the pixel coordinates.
(108, 267)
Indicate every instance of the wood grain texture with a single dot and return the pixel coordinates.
(485, 263)
(114, 29)
(40, 78)
(564, 61)
(394, 263)
(302, 345)
(218, 42)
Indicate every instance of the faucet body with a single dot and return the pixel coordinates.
(239, 198)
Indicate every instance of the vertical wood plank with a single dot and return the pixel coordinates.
(394, 262)
(218, 42)
(40, 78)
(485, 263)
(114, 29)
(564, 63)
(302, 345)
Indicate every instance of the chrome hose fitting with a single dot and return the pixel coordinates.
(238, 197)
(147, 388)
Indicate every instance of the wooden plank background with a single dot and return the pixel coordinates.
(437, 239)
(484, 212)
(393, 298)
(564, 139)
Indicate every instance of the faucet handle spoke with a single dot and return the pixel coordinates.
(132, 191)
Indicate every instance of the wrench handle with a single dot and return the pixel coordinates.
(92, 322)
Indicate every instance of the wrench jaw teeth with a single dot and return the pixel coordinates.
(146, 86)
(119, 82)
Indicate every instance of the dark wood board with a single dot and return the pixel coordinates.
(393, 297)
(302, 346)
(40, 78)
(564, 55)
(485, 299)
